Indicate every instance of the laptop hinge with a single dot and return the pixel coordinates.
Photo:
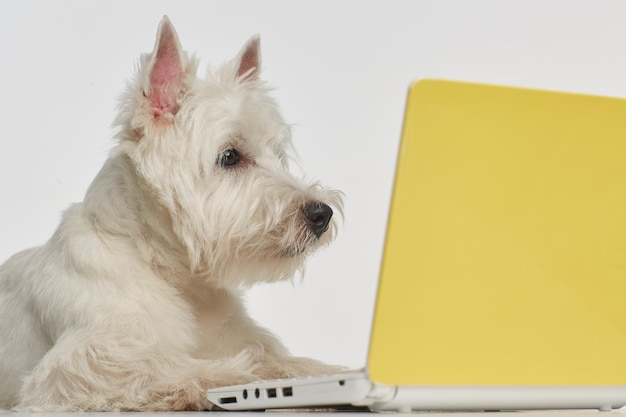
(379, 393)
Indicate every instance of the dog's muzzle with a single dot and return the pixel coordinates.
(318, 216)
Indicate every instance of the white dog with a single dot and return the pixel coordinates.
(135, 301)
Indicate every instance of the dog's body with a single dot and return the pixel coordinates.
(134, 303)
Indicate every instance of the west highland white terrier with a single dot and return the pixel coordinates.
(135, 302)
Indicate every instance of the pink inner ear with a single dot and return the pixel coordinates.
(249, 60)
(165, 75)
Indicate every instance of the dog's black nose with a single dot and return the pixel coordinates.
(318, 216)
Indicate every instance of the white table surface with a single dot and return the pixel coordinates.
(558, 413)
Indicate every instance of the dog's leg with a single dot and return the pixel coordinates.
(275, 361)
(84, 373)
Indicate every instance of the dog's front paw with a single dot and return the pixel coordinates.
(291, 367)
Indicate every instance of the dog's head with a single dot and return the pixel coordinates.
(214, 155)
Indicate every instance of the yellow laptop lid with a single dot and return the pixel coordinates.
(505, 256)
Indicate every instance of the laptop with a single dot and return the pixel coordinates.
(503, 280)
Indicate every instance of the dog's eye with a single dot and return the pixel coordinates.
(229, 158)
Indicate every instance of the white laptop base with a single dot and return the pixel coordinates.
(355, 389)
(348, 389)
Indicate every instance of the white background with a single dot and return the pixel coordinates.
(341, 68)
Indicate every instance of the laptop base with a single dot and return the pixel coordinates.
(356, 390)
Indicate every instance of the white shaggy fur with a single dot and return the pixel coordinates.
(135, 301)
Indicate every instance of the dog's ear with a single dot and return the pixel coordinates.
(248, 60)
(164, 84)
